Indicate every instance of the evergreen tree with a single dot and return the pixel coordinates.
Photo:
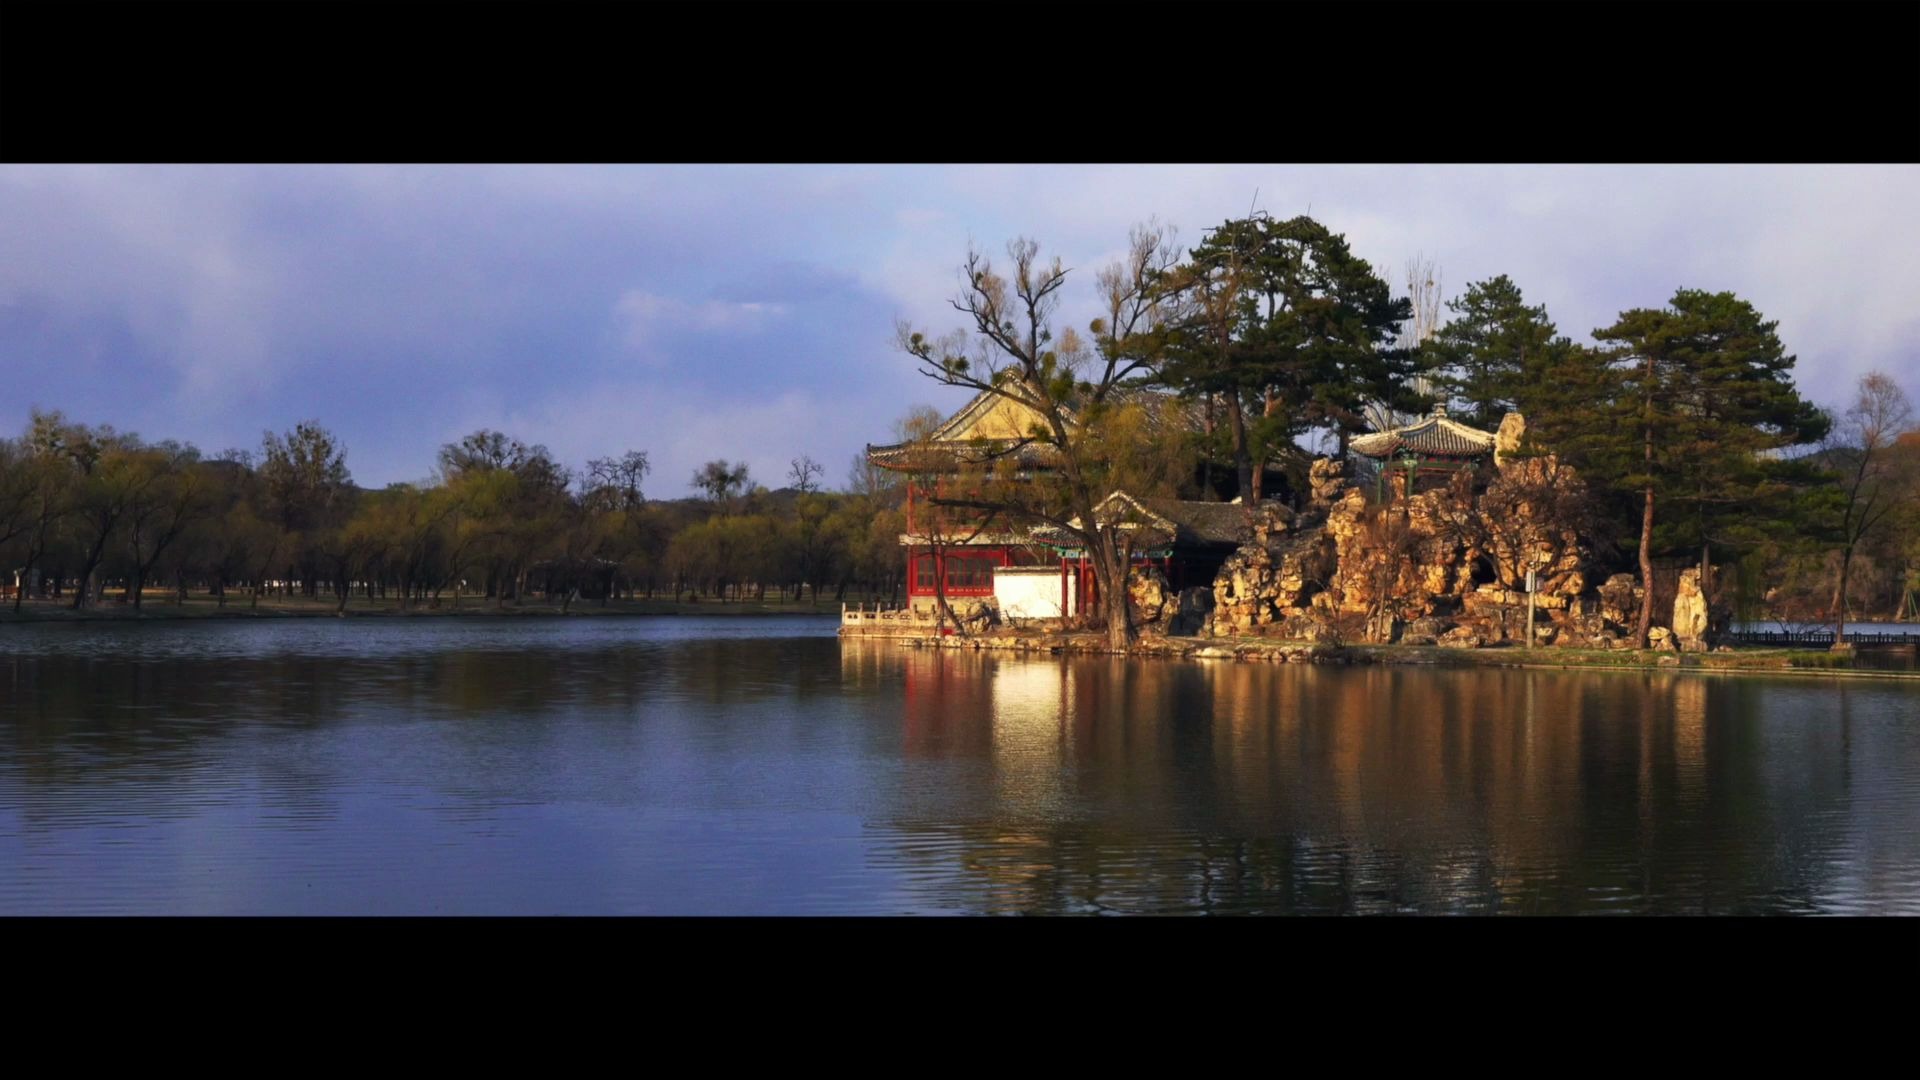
(1496, 352)
(1705, 401)
(1292, 330)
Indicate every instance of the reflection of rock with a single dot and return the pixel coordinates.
(1690, 612)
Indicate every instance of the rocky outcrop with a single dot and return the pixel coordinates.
(1445, 566)
(1507, 440)
(1690, 612)
(1192, 607)
(1325, 482)
(1440, 567)
(1275, 573)
(1620, 600)
(1153, 601)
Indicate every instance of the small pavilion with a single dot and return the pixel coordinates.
(1431, 449)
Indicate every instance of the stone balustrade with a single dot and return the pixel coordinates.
(886, 618)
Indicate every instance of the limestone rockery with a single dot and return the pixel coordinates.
(1445, 566)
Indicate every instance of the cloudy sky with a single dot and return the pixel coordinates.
(748, 311)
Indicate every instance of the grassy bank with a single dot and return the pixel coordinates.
(162, 607)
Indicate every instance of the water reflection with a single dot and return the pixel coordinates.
(1252, 788)
(763, 766)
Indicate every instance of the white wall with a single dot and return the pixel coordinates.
(1023, 592)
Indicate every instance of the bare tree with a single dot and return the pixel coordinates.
(1012, 351)
(1874, 478)
(1424, 288)
(805, 475)
(615, 482)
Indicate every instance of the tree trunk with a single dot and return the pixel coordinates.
(1646, 519)
(940, 591)
(1242, 457)
(1646, 574)
(1840, 599)
(1706, 585)
(26, 579)
(1110, 577)
(86, 572)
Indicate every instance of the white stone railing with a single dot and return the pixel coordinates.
(903, 617)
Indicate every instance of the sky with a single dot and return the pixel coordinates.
(748, 312)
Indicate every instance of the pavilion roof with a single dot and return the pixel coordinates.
(1167, 521)
(948, 446)
(1435, 434)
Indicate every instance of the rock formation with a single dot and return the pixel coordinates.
(1513, 430)
(1153, 601)
(1690, 612)
(1446, 566)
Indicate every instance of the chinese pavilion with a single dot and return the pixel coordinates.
(987, 441)
(1428, 451)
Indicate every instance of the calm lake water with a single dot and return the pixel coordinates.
(763, 766)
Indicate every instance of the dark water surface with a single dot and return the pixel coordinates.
(722, 766)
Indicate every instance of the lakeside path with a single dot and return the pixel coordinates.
(1739, 661)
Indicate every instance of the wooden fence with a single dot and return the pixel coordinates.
(1813, 639)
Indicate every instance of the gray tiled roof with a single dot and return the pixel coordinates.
(1177, 521)
(943, 451)
(1435, 434)
(1206, 522)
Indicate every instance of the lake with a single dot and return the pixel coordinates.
(719, 765)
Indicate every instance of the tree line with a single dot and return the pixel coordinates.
(87, 507)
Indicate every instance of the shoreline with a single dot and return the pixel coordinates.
(1796, 662)
(169, 612)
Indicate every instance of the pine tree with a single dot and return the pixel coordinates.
(1704, 401)
(1494, 355)
(1295, 333)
